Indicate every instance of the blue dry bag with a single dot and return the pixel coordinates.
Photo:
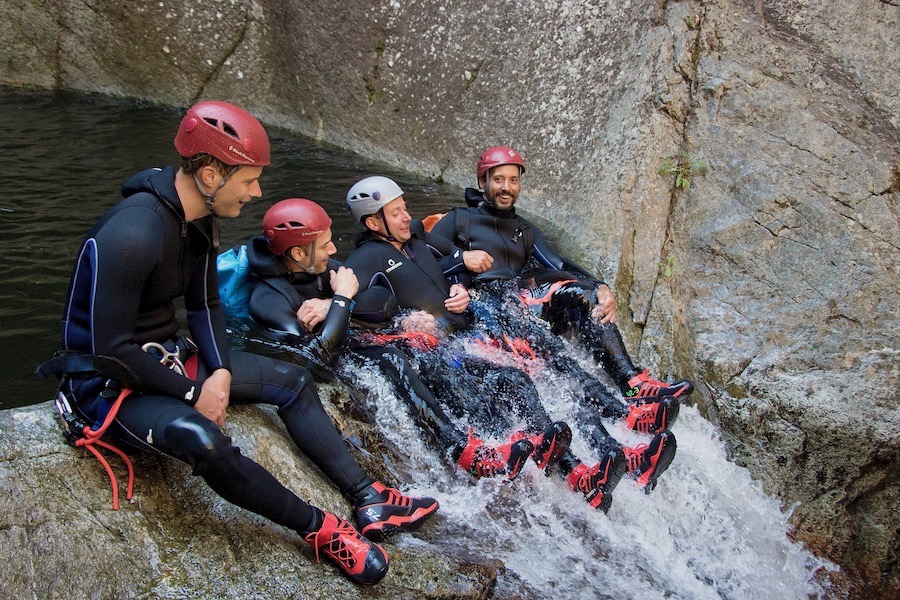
(234, 281)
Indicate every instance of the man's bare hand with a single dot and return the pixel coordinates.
(344, 282)
(477, 261)
(605, 311)
(214, 396)
(458, 300)
(313, 311)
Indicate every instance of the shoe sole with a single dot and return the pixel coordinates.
(664, 458)
(516, 468)
(605, 503)
(672, 411)
(616, 468)
(616, 471)
(394, 525)
(559, 443)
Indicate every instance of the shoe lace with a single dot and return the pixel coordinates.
(488, 462)
(635, 457)
(588, 480)
(342, 545)
(395, 498)
(647, 386)
(645, 420)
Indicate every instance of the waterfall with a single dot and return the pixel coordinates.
(707, 530)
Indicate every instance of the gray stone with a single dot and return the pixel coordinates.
(61, 538)
(772, 280)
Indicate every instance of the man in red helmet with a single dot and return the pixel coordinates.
(490, 223)
(119, 330)
(297, 288)
(557, 289)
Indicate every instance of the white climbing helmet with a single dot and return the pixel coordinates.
(369, 195)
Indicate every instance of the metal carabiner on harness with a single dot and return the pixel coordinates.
(72, 425)
(169, 359)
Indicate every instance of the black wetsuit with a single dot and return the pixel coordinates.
(496, 397)
(521, 253)
(413, 275)
(276, 296)
(139, 257)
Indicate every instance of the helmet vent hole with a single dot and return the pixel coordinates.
(225, 126)
(230, 130)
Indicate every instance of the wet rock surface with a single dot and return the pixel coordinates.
(771, 280)
(178, 539)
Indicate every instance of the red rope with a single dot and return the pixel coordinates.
(92, 438)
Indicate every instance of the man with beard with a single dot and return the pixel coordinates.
(571, 299)
(396, 253)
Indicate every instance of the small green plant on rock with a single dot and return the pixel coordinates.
(684, 168)
(669, 267)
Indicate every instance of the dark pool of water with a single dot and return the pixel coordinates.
(64, 158)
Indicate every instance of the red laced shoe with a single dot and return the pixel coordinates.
(647, 462)
(598, 482)
(383, 511)
(362, 561)
(480, 460)
(641, 386)
(550, 445)
(652, 417)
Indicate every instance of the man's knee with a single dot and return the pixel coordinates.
(200, 443)
(570, 306)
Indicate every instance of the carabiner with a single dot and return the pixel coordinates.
(170, 359)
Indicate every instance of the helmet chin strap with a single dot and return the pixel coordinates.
(389, 237)
(311, 268)
(210, 199)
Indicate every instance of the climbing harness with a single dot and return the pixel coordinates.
(78, 433)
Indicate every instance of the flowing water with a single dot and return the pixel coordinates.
(65, 158)
(707, 531)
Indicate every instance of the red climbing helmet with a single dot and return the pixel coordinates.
(496, 156)
(225, 131)
(294, 222)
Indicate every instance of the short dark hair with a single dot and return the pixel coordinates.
(192, 164)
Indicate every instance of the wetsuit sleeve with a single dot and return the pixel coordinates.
(449, 256)
(205, 316)
(126, 251)
(446, 227)
(331, 339)
(375, 306)
(370, 305)
(549, 258)
(271, 309)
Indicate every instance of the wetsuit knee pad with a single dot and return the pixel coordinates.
(302, 393)
(197, 441)
(571, 305)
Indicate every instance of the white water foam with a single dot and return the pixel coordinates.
(707, 531)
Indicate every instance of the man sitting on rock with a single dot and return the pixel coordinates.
(119, 331)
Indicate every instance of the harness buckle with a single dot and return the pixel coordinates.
(71, 424)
